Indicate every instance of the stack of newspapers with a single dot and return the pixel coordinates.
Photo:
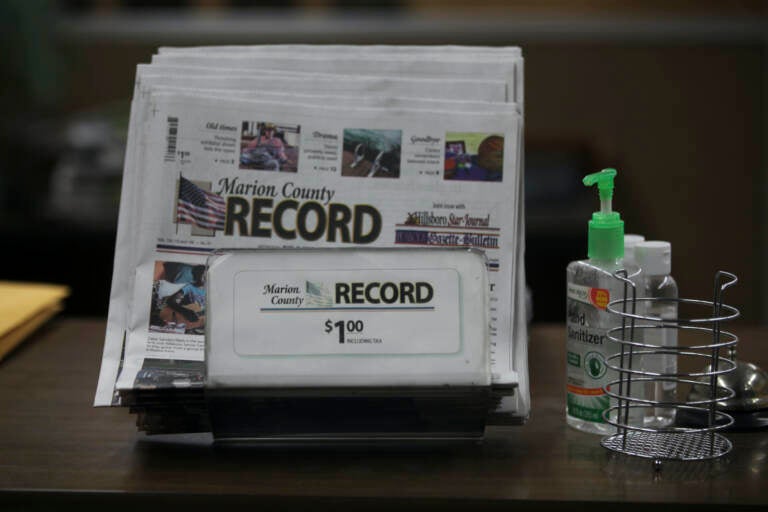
(303, 146)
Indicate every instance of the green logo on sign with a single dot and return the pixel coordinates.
(594, 365)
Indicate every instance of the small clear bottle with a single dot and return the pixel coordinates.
(591, 285)
(630, 241)
(655, 260)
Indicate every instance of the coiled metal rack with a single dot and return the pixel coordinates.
(682, 439)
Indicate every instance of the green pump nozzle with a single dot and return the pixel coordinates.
(606, 229)
(604, 180)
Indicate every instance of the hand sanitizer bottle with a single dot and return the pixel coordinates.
(655, 260)
(591, 285)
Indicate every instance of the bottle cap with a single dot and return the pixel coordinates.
(606, 229)
(654, 257)
(630, 241)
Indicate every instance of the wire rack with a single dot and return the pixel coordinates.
(681, 439)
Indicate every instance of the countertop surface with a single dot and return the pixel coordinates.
(55, 445)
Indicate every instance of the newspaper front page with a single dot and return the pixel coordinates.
(366, 177)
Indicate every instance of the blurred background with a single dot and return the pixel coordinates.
(670, 92)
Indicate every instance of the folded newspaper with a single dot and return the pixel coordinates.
(298, 146)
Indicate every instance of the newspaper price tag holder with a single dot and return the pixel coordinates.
(314, 346)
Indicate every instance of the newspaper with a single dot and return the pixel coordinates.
(353, 86)
(446, 63)
(408, 65)
(158, 240)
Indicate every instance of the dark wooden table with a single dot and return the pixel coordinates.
(56, 448)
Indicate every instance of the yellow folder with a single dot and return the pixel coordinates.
(24, 307)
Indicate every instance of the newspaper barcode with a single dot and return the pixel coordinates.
(170, 148)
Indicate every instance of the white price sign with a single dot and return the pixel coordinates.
(346, 312)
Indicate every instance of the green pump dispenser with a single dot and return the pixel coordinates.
(606, 229)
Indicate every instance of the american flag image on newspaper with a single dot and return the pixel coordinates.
(196, 206)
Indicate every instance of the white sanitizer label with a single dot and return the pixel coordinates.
(587, 350)
(346, 312)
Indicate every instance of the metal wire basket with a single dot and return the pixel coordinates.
(678, 440)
